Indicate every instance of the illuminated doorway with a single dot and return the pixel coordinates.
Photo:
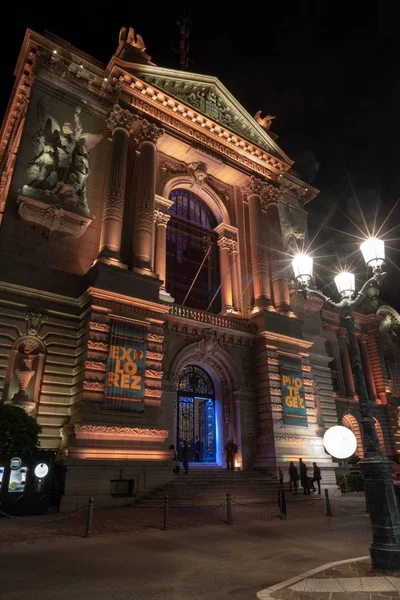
(196, 414)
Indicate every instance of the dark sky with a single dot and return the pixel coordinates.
(328, 70)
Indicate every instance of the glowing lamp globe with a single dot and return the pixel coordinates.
(345, 283)
(373, 251)
(340, 442)
(302, 266)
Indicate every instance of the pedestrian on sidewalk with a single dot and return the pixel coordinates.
(197, 447)
(316, 477)
(176, 468)
(280, 475)
(293, 477)
(304, 477)
(231, 449)
(185, 456)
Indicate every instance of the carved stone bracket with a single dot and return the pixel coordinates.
(34, 321)
(120, 118)
(50, 220)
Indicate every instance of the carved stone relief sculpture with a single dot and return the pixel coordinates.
(25, 365)
(25, 372)
(59, 169)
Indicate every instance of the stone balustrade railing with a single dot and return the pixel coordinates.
(201, 316)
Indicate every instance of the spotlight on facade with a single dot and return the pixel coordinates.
(302, 266)
(346, 284)
(373, 251)
(340, 442)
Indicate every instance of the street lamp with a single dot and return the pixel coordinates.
(376, 468)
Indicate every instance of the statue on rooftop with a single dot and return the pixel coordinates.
(265, 122)
(127, 35)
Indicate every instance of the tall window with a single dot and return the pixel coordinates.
(192, 253)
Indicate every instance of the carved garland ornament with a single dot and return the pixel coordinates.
(129, 431)
(154, 337)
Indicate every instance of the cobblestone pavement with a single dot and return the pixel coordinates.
(346, 580)
(136, 519)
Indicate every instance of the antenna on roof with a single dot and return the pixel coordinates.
(184, 22)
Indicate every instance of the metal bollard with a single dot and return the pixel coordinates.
(366, 503)
(229, 509)
(165, 527)
(89, 518)
(328, 504)
(282, 504)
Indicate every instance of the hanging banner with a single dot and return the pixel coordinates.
(293, 397)
(126, 365)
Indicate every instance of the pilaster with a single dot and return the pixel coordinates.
(119, 123)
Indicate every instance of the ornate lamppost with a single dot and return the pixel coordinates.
(376, 468)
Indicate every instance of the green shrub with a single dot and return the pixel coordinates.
(354, 482)
(18, 430)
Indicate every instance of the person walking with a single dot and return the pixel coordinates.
(293, 477)
(280, 475)
(316, 477)
(231, 449)
(185, 456)
(197, 447)
(304, 477)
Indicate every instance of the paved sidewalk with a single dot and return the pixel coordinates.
(351, 579)
(137, 519)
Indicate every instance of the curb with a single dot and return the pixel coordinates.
(266, 594)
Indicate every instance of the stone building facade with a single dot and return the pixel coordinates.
(147, 224)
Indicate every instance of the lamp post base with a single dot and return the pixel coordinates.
(385, 558)
(384, 512)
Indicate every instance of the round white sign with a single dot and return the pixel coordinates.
(340, 442)
(41, 470)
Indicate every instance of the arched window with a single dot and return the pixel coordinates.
(192, 253)
(351, 422)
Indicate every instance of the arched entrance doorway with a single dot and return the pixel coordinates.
(196, 414)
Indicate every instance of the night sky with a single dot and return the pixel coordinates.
(328, 70)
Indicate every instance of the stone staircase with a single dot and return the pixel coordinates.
(207, 485)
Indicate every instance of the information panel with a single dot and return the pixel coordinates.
(126, 365)
(293, 398)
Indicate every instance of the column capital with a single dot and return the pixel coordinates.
(225, 243)
(363, 338)
(161, 218)
(342, 332)
(147, 132)
(270, 195)
(120, 118)
(254, 185)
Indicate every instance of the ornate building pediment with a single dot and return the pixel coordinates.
(210, 97)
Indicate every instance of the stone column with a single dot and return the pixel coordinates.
(119, 123)
(346, 364)
(258, 248)
(161, 220)
(143, 242)
(369, 376)
(225, 245)
(280, 287)
(234, 263)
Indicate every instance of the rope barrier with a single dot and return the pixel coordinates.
(187, 511)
